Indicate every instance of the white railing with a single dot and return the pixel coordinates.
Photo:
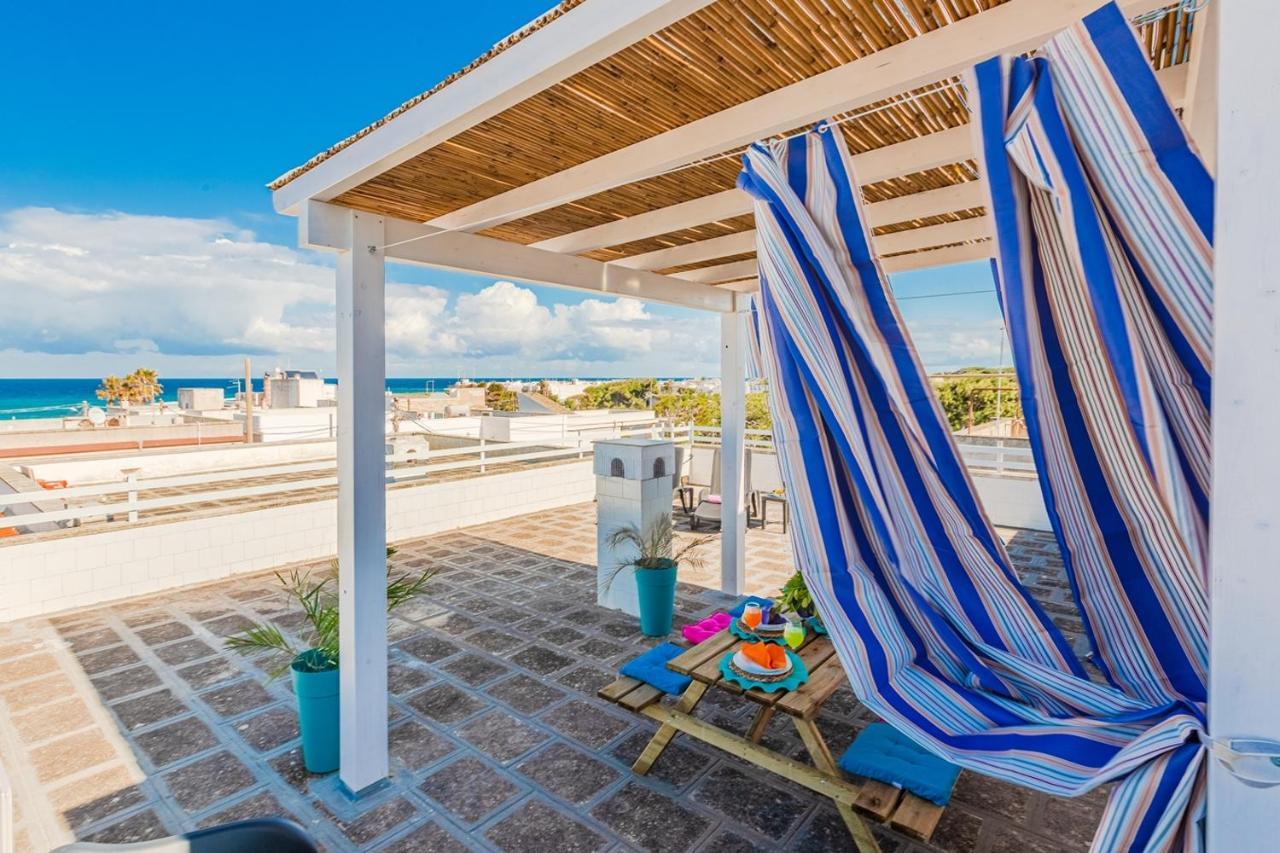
(999, 456)
(709, 436)
(123, 500)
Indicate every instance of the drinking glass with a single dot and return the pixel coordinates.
(751, 616)
(793, 634)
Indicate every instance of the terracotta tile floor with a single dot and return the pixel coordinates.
(130, 721)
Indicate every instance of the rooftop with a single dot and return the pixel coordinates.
(130, 721)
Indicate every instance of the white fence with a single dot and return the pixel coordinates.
(1000, 456)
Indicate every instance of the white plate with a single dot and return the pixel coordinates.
(750, 667)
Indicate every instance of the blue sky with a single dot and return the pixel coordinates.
(149, 129)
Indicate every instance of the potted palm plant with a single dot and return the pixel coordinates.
(657, 558)
(314, 669)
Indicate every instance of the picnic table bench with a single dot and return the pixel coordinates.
(885, 803)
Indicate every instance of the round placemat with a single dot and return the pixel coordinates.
(799, 675)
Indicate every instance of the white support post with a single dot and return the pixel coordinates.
(362, 512)
(1244, 691)
(733, 418)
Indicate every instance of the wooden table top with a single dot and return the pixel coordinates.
(702, 663)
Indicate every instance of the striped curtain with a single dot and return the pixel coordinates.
(1103, 273)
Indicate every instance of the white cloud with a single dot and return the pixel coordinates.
(85, 293)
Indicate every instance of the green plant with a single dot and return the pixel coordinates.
(319, 603)
(794, 596)
(655, 547)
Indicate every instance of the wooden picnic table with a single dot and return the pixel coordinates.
(906, 812)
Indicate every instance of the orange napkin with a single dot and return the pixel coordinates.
(767, 655)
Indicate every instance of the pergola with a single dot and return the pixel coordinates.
(596, 149)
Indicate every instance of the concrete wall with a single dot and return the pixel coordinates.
(1012, 501)
(74, 571)
(109, 469)
(115, 438)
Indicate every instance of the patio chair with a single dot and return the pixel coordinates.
(709, 500)
(702, 463)
(263, 835)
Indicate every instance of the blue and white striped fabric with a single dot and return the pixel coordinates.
(927, 614)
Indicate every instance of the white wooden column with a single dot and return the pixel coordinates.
(1244, 690)
(362, 512)
(733, 416)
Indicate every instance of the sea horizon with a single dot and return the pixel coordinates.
(31, 398)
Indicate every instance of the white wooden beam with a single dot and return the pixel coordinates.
(411, 242)
(938, 257)
(1013, 26)
(915, 206)
(977, 228)
(1244, 651)
(733, 424)
(686, 214)
(1200, 111)
(362, 507)
(580, 38)
(692, 253)
(722, 272)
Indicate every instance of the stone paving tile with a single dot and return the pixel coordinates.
(501, 736)
(747, 801)
(568, 773)
(270, 729)
(377, 821)
(417, 746)
(65, 756)
(534, 826)
(96, 797)
(176, 741)
(542, 660)
(405, 678)
(147, 709)
(114, 657)
(197, 786)
(144, 826)
(475, 670)
(526, 694)
(29, 666)
(237, 698)
(651, 821)
(426, 838)
(163, 633)
(44, 723)
(262, 804)
(186, 651)
(209, 673)
(469, 789)
(34, 694)
(585, 723)
(429, 648)
(89, 640)
(678, 765)
(126, 682)
(445, 703)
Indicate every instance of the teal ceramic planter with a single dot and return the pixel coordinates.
(317, 694)
(656, 591)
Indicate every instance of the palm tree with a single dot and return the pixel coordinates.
(143, 385)
(111, 390)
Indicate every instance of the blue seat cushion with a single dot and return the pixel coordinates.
(883, 753)
(750, 599)
(651, 668)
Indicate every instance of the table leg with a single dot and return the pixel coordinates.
(761, 722)
(823, 760)
(786, 513)
(653, 751)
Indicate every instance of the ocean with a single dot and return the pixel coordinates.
(54, 398)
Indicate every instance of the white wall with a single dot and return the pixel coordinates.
(1012, 501)
(75, 571)
(193, 460)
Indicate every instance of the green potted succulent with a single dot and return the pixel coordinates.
(794, 597)
(657, 558)
(314, 669)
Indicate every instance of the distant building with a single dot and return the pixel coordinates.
(295, 389)
(200, 399)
